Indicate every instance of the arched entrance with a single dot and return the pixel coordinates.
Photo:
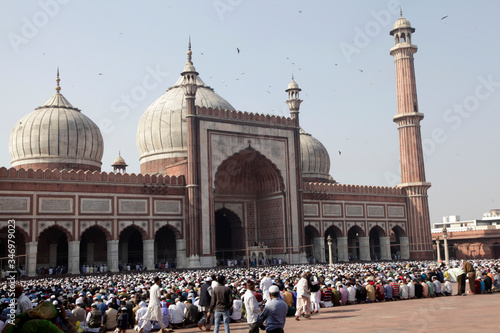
(496, 250)
(395, 238)
(131, 247)
(166, 247)
(20, 242)
(375, 246)
(353, 236)
(313, 250)
(229, 236)
(250, 179)
(335, 234)
(53, 249)
(94, 247)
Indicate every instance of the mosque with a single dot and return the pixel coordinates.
(215, 183)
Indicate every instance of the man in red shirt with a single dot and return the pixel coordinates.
(395, 289)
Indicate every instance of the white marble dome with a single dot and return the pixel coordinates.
(401, 23)
(162, 131)
(56, 135)
(315, 158)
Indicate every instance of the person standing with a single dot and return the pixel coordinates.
(303, 297)
(471, 275)
(457, 275)
(265, 284)
(220, 304)
(204, 304)
(23, 302)
(154, 308)
(251, 307)
(274, 313)
(315, 293)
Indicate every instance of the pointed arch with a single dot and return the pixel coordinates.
(94, 245)
(229, 235)
(53, 246)
(166, 245)
(311, 234)
(248, 172)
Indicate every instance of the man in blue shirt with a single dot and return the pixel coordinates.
(274, 313)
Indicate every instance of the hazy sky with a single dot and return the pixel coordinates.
(337, 50)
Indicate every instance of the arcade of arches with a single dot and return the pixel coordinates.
(55, 247)
(357, 246)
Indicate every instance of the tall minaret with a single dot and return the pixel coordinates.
(193, 224)
(410, 143)
(293, 102)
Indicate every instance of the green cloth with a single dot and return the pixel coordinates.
(37, 326)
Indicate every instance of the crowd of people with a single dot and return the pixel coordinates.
(176, 299)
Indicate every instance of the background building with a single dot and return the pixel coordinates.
(214, 183)
(479, 238)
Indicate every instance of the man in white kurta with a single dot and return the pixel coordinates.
(265, 284)
(154, 308)
(303, 298)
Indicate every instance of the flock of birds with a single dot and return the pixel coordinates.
(238, 51)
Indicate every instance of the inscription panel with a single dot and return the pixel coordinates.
(311, 210)
(14, 204)
(90, 206)
(396, 211)
(56, 205)
(332, 210)
(375, 211)
(354, 210)
(132, 206)
(167, 207)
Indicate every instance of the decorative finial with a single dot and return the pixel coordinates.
(249, 143)
(292, 76)
(58, 88)
(400, 11)
(189, 62)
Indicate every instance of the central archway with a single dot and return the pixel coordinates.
(353, 235)
(94, 246)
(250, 179)
(53, 248)
(335, 233)
(131, 247)
(375, 246)
(229, 235)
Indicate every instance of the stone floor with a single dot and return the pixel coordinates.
(441, 314)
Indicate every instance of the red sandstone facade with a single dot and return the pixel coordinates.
(239, 185)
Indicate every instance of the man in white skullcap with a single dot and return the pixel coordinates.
(154, 308)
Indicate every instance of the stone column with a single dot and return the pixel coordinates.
(446, 254)
(405, 247)
(342, 249)
(180, 249)
(53, 255)
(113, 255)
(90, 253)
(319, 249)
(124, 252)
(438, 251)
(74, 257)
(364, 248)
(149, 256)
(31, 251)
(385, 248)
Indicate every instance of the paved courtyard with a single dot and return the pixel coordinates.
(442, 314)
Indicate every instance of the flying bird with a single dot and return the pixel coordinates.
(442, 18)
(100, 73)
(361, 70)
(340, 153)
(300, 11)
(237, 49)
